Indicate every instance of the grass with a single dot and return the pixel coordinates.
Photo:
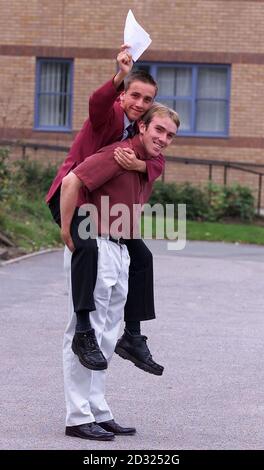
(28, 223)
(213, 231)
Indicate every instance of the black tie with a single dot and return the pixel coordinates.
(130, 131)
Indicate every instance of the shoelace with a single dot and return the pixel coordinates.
(91, 342)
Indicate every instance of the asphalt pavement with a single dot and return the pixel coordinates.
(209, 335)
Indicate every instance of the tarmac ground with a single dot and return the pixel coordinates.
(209, 335)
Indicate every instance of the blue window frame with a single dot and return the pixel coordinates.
(200, 93)
(53, 99)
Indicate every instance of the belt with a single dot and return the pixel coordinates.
(119, 241)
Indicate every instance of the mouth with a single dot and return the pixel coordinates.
(157, 146)
(137, 111)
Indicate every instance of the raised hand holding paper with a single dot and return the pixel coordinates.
(134, 35)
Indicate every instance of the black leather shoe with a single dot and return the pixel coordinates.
(86, 347)
(89, 431)
(135, 349)
(112, 426)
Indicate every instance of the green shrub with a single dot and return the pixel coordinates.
(5, 174)
(240, 202)
(211, 203)
(31, 176)
(195, 200)
(216, 202)
(164, 193)
(171, 193)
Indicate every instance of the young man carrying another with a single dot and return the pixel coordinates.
(88, 414)
(112, 116)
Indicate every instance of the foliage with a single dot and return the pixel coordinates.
(212, 203)
(5, 174)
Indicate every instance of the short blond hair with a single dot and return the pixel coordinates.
(160, 110)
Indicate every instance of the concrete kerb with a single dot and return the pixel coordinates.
(29, 255)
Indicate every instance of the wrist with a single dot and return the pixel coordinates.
(119, 78)
(141, 166)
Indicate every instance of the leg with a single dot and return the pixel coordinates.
(139, 306)
(83, 278)
(112, 309)
(83, 268)
(114, 313)
(140, 299)
(77, 379)
(80, 421)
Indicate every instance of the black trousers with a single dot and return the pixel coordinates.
(140, 300)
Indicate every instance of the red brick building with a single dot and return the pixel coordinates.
(207, 55)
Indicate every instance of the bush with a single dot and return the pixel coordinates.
(240, 202)
(212, 203)
(5, 174)
(195, 200)
(32, 176)
(164, 193)
(170, 193)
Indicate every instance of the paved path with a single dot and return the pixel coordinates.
(209, 333)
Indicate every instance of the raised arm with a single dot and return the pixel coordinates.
(102, 100)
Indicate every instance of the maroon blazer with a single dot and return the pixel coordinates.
(102, 175)
(104, 126)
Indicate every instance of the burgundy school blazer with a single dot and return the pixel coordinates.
(104, 126)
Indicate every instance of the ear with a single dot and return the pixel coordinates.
(121, 96)
(141, 127)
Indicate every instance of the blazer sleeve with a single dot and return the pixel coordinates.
(97, 169)
(101, 103)
(155, 167)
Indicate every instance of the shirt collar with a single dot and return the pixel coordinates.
(139, 149)
(127, 122)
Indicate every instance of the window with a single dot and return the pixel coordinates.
(199, 93)
(53, 101)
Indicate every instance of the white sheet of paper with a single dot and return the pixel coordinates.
(135, 36)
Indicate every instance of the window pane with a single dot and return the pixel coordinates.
(174, 81)
(54, 94)
(165, 79)
(183, 82)
(212, 82)
(55, 77)
(211, 116)
(170, 103)
(183, 108)
(54, 110)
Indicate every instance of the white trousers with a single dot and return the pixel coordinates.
(84, 388)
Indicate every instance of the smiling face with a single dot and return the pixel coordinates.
(158, 134)
(137, 99)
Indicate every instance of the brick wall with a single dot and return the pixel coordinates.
(221, 31)
(205, 25)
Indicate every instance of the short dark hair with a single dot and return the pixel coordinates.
(141, 76)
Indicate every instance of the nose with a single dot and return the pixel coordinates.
(163, 138)
(140, 103)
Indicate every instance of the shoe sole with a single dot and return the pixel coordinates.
(125, 355)
(92, 438)
(86, 364)
(124, 433)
